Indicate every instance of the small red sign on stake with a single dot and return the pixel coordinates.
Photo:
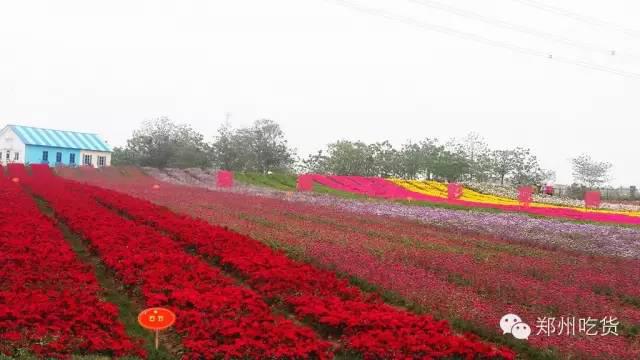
(224, 178)
(156, 319)
(592, 199)
(454, 191)
(525, 195)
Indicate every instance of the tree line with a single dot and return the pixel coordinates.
(263, 147)
(163, 144)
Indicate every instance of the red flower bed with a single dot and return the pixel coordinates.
(365, 324)
(452, 273)
(216, 318)
(48, 299)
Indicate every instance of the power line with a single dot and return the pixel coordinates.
(590, 20)
(481, 39)
(515, 27)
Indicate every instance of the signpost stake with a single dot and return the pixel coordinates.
(157, 342)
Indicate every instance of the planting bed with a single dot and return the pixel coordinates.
(469, 277)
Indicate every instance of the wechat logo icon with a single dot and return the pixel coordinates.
(512, 324)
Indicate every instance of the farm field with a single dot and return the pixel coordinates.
(234, 296)
(443, 267)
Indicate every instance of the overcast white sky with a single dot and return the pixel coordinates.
(327, 72)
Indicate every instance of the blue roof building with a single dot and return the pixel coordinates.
(30, 145)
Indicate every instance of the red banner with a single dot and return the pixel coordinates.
(525, 195)
(224, 179)
(592, 199)
(305, 183)
(454, 191)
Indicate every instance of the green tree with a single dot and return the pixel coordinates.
(476, 151)
(261, 148)
(162, 143)
(527, 169)
(417, 160)
(503, 163)
(386, 159)
(350, 158)
(517, 166)
(412, 161)
(226, 150)
(449, 164)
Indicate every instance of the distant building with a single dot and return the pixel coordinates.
(29, 145)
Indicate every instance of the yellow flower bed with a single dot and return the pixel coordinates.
(435, 188)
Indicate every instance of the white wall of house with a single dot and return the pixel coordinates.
(11, 143)
(95, 155)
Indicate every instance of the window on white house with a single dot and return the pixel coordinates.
(16, 156)
(45, 156)
(87, 160)
(58, 157)
(72, 159)
(102, 160)
(8, 155)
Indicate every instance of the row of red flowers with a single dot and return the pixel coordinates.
(365, 324)
(457, 274)
(49, 301)
(215, 317)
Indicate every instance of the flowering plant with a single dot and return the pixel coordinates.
(49, 300)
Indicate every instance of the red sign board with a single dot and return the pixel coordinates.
(305, 183)
(454, 191)
(525, 195)
(592, 199)
(224, 178)
(156, 318)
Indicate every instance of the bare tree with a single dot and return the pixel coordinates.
(589, 172)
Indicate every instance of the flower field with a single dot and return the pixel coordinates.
(512, 193)
(440, 189)
(433, 192)
(234, 296)
(218, 317)
(468, 268)
(49, 313)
